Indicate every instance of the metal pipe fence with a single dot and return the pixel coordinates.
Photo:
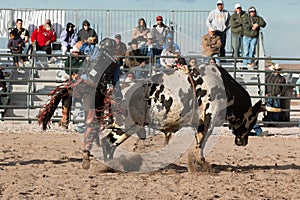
(30, 99)
(188, 26)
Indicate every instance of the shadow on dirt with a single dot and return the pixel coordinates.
(37, 161)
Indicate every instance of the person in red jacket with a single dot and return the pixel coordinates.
(44, 35)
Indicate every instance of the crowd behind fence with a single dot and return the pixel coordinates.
(188, 27)
(33, 79)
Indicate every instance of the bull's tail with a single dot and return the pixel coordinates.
(48, 110)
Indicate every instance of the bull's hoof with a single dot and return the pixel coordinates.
(191, 163)
(86, 162)
(198, 165)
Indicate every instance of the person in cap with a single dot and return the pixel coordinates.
(72, 66)
(252, 25)
(160, 31)
(74, 62)
(218, 19)
(150, 48)
(274, 90)
(120, 49)
(211, 44)
(140, 32)
(43, 36)
(68, 38)
(237, 30)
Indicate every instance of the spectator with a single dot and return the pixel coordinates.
(24, 35)
(150, 48)
(140, 32)
(74, 62)
(298, 87)
(72, 66)
(68, 38)
(252, 25)
(135, 64)
(274, 90)
(170, 40)
(169, 62)
(179, 61)
(66, 102)
(16, 45)
(129, 78)
(237, 31)
(88, 37)
(211, 44)
(120, 49)
(192, 63)
(3, 87)
(212, 61)
(44, 35)
(218, 19)
(160, 31)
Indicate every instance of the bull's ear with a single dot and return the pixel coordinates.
(257, 108)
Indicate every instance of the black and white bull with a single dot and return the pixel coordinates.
(202, 98)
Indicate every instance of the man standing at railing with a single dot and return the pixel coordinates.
(211, 44)
(252, 25)
(23, 34)
(237, 30)
(44, 35)
(160, 31)
(218, 19)
(275, 88)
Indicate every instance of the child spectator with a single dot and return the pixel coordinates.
(16, 45)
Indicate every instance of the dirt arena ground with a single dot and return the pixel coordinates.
(47, 165)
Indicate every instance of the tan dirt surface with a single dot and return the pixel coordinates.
(47, 165)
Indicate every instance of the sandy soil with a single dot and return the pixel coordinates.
(47, 165)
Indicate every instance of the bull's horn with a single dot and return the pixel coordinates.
(272, 109)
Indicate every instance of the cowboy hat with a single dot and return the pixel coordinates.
(275, 67)
(133, 41)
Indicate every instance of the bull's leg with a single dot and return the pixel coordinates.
(167, 138)
(141, 133)
(111, 141)
(201, 137)
(196, 160)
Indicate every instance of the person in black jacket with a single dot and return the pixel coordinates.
(88, 37)
(274, 88)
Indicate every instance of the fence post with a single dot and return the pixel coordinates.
(108, 22)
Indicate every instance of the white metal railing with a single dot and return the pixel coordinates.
(32, 107)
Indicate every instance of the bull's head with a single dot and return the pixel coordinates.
(242, 129)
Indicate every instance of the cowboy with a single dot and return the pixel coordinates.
(274, 89)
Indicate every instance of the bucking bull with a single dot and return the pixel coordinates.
(198, 97)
